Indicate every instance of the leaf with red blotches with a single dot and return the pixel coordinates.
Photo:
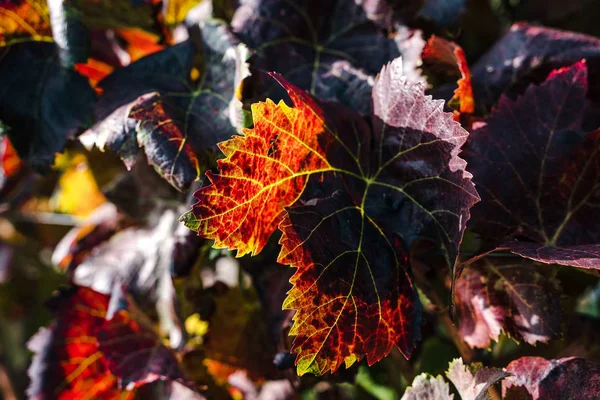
(68, 363)
(512, 295)
(305, 169)
(441, 54)
(155, 104)
(538, 173)
(527, 54)
(303, 40)
(563, 378)
(473, 381)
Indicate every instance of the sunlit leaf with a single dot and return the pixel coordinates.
(449, 58)
(472, 381)
(309, 160)
(77, 192)
(68, 363)
(426, 387)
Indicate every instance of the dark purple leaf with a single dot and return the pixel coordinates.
(538, 172)
(527, 54)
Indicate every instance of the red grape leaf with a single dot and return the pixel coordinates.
(564, 378)
(527, 54)
(309, 159)
(303, 39)
(473, 381)
(68, 363)
(185, 119)
(507, 294)
(426, 387)
(538, 172)
(450, 57)
(133, 350)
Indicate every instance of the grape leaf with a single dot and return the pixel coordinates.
(473, 381)
(546, 187)
(184, 119)
(507, 294)
(303, 39)
(68, 363)
(448, 57)
(527, 54)
(564, 378)
(133, 350)
(36, 101)
(309, 159)
(425, 387)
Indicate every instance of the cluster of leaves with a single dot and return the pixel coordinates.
(433, 184)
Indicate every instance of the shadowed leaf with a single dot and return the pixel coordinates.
(538, 172)
(512, 295)
(184, 119)
(527, 54)
(37, 102)
(309, 159)
(133, 350)
(302, 40)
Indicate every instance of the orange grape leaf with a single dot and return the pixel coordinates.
(348, 216)
(450, 57)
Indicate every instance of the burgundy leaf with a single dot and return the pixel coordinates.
(134, 351)
(538, 172)
(564, 378)
(527, 54)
